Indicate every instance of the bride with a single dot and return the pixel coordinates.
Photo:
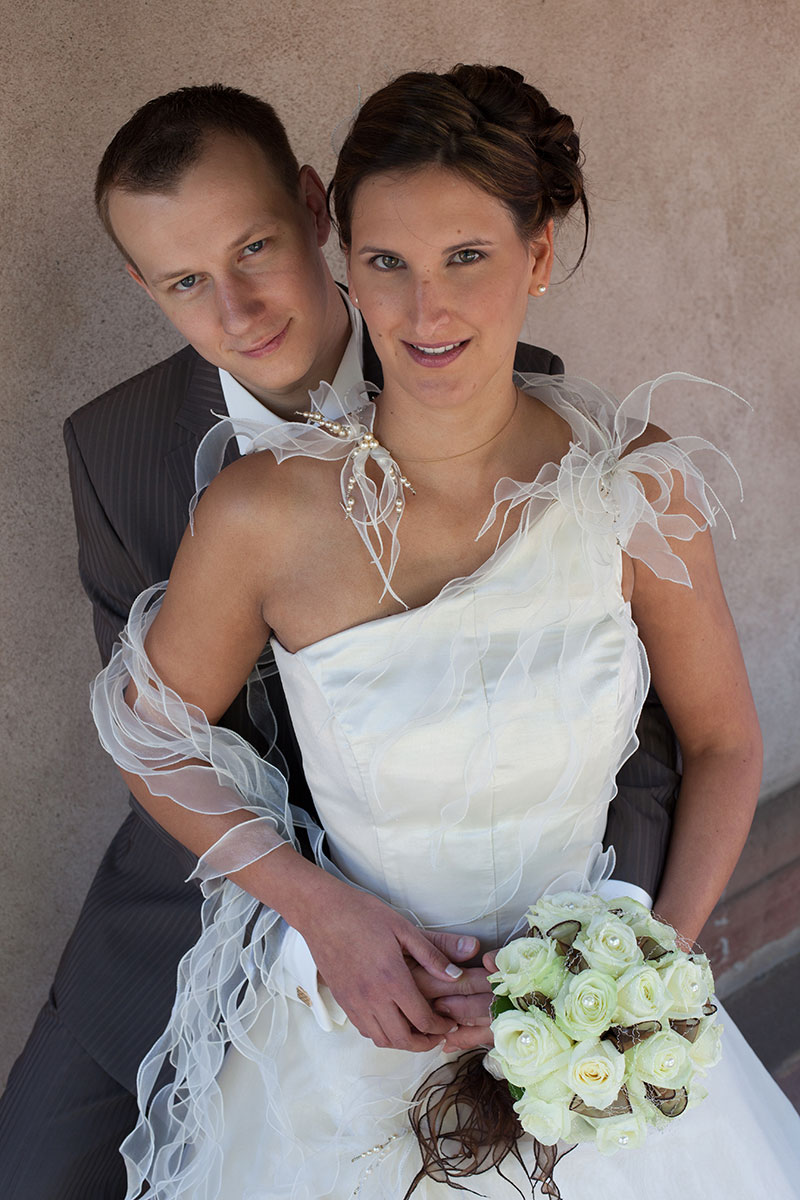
(458, 582)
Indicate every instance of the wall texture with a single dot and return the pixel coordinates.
(687, 114)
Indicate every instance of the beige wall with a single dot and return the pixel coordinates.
(688, 115)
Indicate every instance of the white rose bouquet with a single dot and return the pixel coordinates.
(602, 1025)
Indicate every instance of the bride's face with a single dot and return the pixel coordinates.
(442, 277)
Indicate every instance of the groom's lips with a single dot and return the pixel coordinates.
(435, 354)
(268, 345)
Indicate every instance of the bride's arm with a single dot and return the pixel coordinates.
(699, 674)
(203, 643)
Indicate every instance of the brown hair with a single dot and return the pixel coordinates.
(487, 124)
(166, 136)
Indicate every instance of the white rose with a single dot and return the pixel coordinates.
(643, 923)
(620, 1133)
(640, 996)
(659, 931)
(609, 945)
(697, 1094)
(663, 1060)
(527, 1045)
(685, 984)
(563, 906)
(552, 1087)
(629, 910)
(595, 1072)
(548, 1121)
(585, 1004)
(708, 978)
(528, 965)
(705, 1051)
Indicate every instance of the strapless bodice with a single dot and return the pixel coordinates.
(462, 755)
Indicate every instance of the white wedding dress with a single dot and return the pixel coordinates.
(462, 757)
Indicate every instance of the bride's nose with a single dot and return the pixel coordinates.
(429, 306)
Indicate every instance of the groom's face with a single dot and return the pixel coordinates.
(234, 261)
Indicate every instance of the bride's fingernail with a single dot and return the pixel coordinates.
(467, 945)
(453, 971)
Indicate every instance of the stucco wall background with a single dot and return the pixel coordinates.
(687, 114)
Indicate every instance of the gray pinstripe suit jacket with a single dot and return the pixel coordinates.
(131, 455)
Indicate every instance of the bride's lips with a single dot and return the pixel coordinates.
(435, 354)
(268, 345)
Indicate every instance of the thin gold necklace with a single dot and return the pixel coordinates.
(472, 449)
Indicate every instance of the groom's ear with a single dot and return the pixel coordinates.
(137, 278)
(312, 196)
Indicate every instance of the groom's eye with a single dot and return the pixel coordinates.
(254, 247)
(186, 284)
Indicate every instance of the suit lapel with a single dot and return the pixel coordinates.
(203, 398)
(202, 404)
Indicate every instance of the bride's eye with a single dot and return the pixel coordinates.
(386, 262)
(467, 256)
(254, 247)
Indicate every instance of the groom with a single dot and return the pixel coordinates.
(203, 196)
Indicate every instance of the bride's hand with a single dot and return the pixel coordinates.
(466, 1000)
(473, 1034)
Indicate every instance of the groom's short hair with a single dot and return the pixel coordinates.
(166, 136)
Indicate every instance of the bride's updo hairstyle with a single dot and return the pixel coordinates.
(486, 124)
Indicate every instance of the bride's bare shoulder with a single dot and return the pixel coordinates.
(549, 433)
(256, 495)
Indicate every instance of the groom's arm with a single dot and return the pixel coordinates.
(110, 577)
(640, 817)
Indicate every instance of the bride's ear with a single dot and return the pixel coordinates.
(541, 261)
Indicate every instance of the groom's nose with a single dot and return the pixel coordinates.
(239, 305)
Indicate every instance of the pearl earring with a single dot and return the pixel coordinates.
(354, 299)
(542, 288)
